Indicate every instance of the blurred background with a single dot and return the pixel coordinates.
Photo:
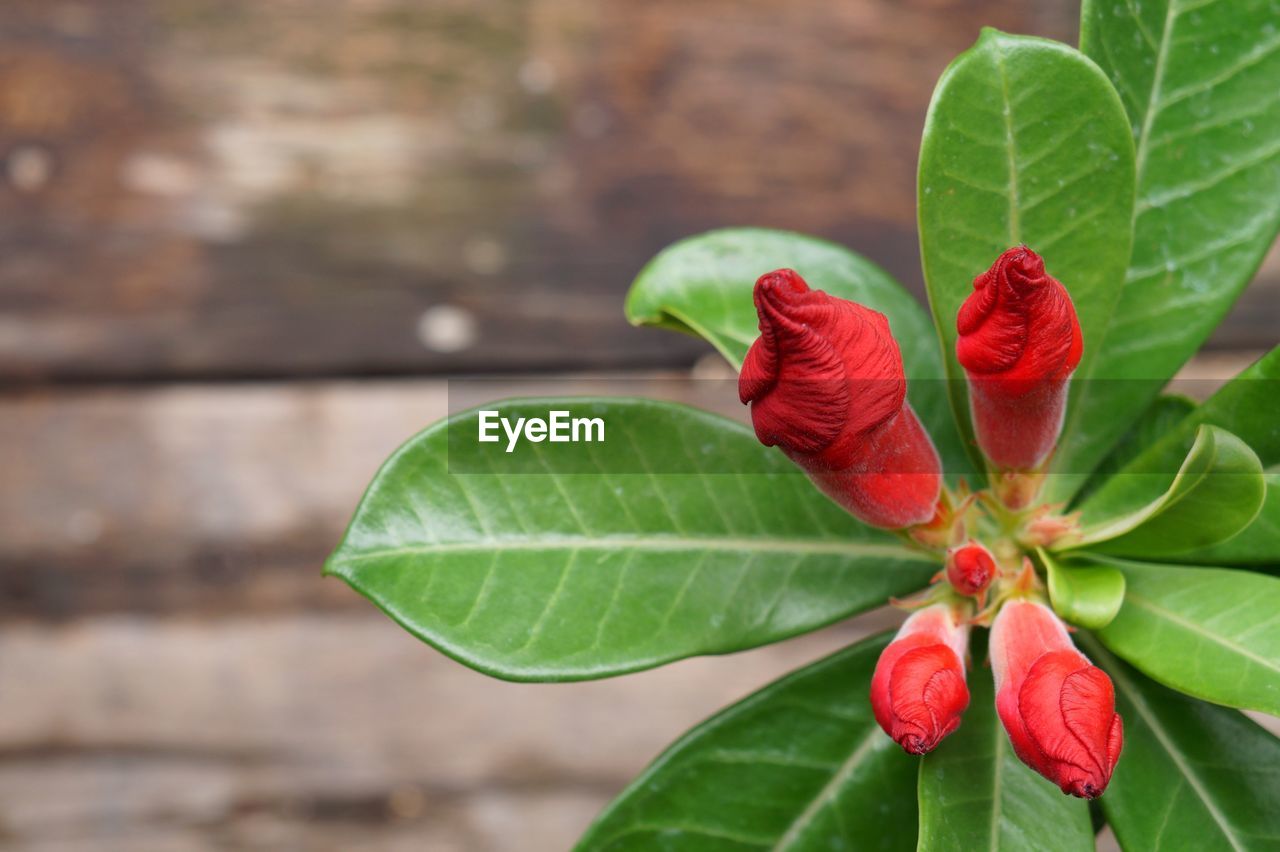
(243, 244)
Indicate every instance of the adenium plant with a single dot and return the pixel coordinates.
(1087, 564)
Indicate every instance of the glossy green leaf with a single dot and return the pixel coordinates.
(1160, 418)
(1208, 632)
(1218, 492)
(1258, 544)
(1248, 406)
(703, 286)
(1085, 595)
(801, 764)
(1198, 82)
(1025, 142)
(1193, 776)
(976, 794)
(685, 536)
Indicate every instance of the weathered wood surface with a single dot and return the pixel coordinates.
(216, 499)
(224, 499)
(348, 187)
(175, 674)
(324, 732)
(326, 188)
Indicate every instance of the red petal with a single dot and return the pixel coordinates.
(927, 694)
(825, 383)
(1019, 322)
(1068, 708)
(1019, 342)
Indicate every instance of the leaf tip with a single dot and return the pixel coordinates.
(332, 565)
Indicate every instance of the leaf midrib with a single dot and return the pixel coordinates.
(1015, 201)
(1157, 729)
(829, 790)
(1139, 166)
(1193, 627)
(1153, 97)
(658, 544)
(997, 782)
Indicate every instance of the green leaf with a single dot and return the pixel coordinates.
(1085, 595)
(1198, 81)
(685, 536)
(1214, 770)
(1164, 413)
(976, 794)
(1247, 406)
(1258, 544)
(1025, 142)
(1217, 493)
(1208, 632)
(703, 286)
(801, 764)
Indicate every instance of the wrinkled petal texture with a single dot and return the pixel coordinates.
(824, 373)
(1019, 323)
(1019, 341)
(1060, 710)
(918, 692)
(825, 383)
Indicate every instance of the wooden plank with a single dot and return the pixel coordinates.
(328, 732)
(217, 498)
(226, 498)
(203, 188)
(325, 732)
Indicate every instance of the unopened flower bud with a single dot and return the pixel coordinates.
(1019, 343)
(826, 385)
(918, 692)
(1058, 708)
(970, 569)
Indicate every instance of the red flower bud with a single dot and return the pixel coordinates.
(970, 569)
(1019, 342)
(1058, 708)
(918, 690)
(825, 383)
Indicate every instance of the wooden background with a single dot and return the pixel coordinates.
(241, 245)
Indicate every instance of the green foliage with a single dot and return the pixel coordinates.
(1258, 544)
(1214, 768)
(1163, 415)
(976, 794)
(1198, 83)
(1207, 632)
(1245, 406)
(702, 285)
(1216, 493)
(1150, 183)
(1025, 142)
(612, 568)
(801, 764)
(1085, 595)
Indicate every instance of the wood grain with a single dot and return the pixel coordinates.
(219, 498)
(223, 499)
(230, 188)
(325, 733)
(256, 193)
